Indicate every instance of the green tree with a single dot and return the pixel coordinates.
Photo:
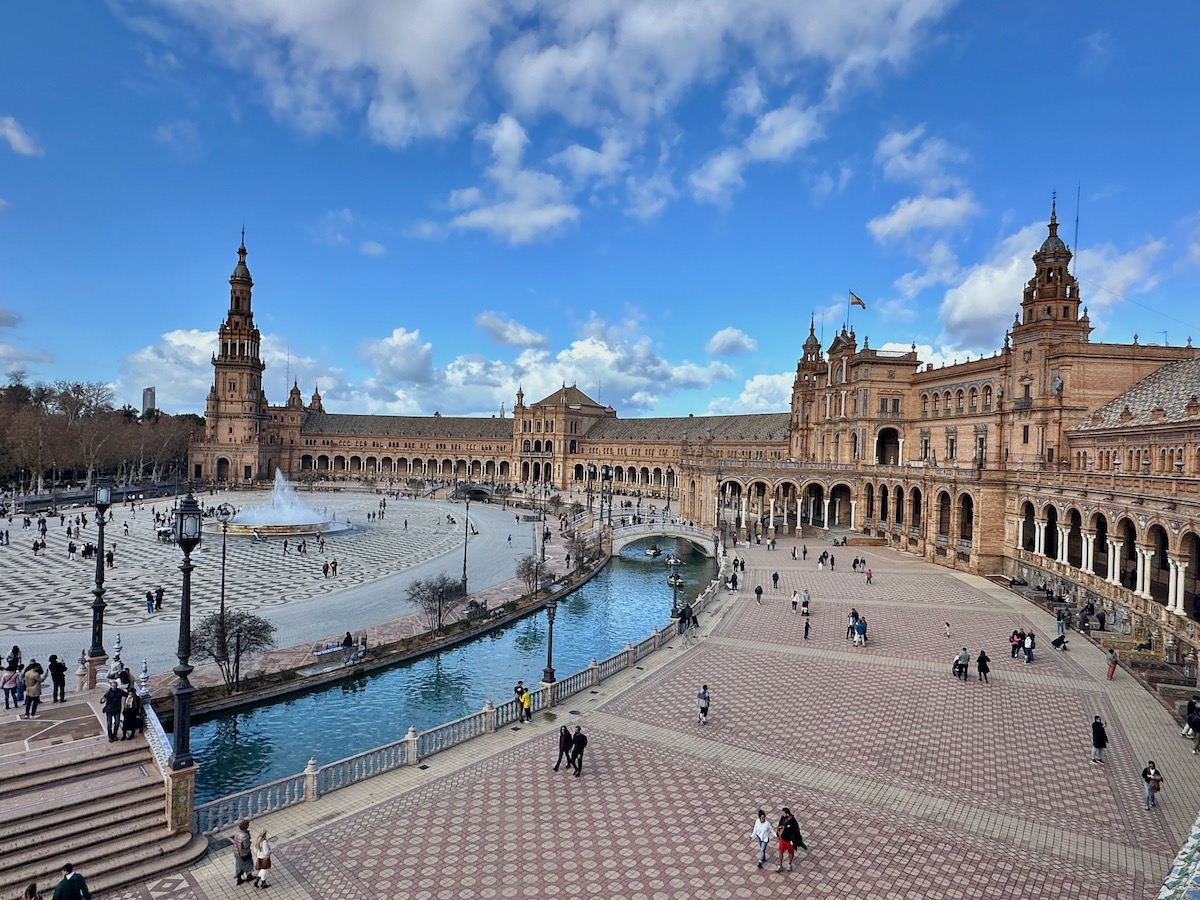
(556, 504)
(215, 640)
(527, 571)
(433, 595)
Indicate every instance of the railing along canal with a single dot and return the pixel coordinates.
(316, 781)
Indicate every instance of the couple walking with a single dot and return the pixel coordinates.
(787, 832)
(570, 747)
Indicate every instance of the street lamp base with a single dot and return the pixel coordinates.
(548, 675)
(94, 665)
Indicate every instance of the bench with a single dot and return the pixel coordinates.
(327, 648)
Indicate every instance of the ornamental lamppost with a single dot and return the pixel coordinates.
(608, 475)
(720, 503)
(101, 499)
(591, 473)
(188, 519)
(224, 516)
(670, 476)
(548, 672)
(466, 525)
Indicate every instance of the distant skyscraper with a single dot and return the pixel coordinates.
(149, 401)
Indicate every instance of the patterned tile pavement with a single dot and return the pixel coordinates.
(907, 783)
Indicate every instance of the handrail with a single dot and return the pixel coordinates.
(227, 811)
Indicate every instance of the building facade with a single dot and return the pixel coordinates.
(1056, 456)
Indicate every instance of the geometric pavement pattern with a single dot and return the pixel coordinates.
(907, 782)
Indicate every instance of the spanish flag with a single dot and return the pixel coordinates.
(856, 300)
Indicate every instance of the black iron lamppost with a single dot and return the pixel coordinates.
(224, 516)
(670, 476)
(102, 499)
(591, 473)
(608, 475)
(466, 526)
(548, 672)
(720, 503)
(187, 535)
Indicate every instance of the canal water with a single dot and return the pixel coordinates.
(239, 750)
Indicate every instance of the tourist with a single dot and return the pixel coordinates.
(34, 676)
(333, 567)
(1112, 663)
(804, 552)
(869, 577)
(564, 746)
(1030, 646)
(1152, 781)
(9, 681)
(790, 838)
(112, 704)
(702, 702)
(1060, 622)
(158, 598)
(527, 706)
(31, 892)
(243, 858)
(758, 594)
(962, 662)
(793, 552)
(58, 678)
(804, 603)
(806, 624)
(983, 666)
(795, 601)
(73, 886)
(774, 581)
(132, 714)
(325, 569)
(1099, 740)
(149, 602)
(1017, 639)
(578, 743)
(851, 621)
(262, 859)
(764, 833)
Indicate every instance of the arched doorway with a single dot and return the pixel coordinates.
(887, 447)
(839, 507)
(1028, 527)
(1074, 539)
(966, 518)
(943, 516)
(1051, 548)
(1100, 545)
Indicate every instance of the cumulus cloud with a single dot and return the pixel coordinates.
(977, 311)
(372, 248)
(760, 394)
(941, 267)
(586, 164)
(715, 180)
(1116, 273)
(730, 341)
(913, 157)
(178, 365)
(507, 332)
(401, 358)
(922, 213)
(524, 204)
(18, 139)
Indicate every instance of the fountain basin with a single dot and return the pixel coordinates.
(233, 529)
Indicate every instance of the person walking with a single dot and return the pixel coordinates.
(774, 581)
(804, 602)
(73, 885)
(962, 663)
(758, 594)
(806, 624)
(795, 601)
(112, 703)
(702, 702)
(790, 838)
(34, 676)
(262, 860)
(983, 666)
(1112, 663)
(1030, 646)
(869, 577)
(578, 743)
(1099, 740)
(243, 856)
(58, 678)
(564, 746)
(9, 681)
(1152, 782)
(158, 598)
(764, 833)
(31, 892)
(132, 710)
(1193, 706)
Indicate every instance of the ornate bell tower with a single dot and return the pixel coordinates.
(1051, 299)
(236, 411)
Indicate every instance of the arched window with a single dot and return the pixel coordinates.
(974, 399)
(987, 397)
(924, 404)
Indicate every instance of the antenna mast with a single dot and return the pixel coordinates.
(1075, 258)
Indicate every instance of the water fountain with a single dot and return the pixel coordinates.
(284, 514)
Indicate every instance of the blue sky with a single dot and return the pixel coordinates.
(444, 199)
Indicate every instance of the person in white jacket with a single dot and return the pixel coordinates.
(262, 860)
(764, 833)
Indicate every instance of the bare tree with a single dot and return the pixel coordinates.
(217, 640)
(434, 595)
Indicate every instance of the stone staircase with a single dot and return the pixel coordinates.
(98, 805)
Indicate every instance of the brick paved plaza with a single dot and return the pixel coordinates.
(907, 782)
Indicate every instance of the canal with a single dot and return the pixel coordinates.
(239, 750)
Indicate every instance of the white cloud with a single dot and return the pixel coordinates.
(649, 195)
(372, 248)
(401, 358)
(746, 98)
(922, 213)
(586, 164)
(730, 341)
(941, 267)
(18, 139)
(178, 365)
(524, 204)
(826, 183)
(1115, 273)
(762, 393)
(507, 332)
(331, 228)
(3, 203)
(779, 134)
(182, 138)
(977, 311)
(716, 179)
(910, 156)
(1095, 51)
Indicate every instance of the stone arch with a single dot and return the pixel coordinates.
(813, 504)
(1074, 538)
(839, 506)
(1028, 527)
(1051, 543)
(870, 495)
(887, 447)
(966, 517)
(898, 503)
(917, 512)
(1158, 537)
(223, 468)
(943, 515)
(883, 504)
(1189, 553)
(1099, 529)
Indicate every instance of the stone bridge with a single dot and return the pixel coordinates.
(703, 539)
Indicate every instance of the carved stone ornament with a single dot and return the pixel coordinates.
(891, 373)
(1027, 355)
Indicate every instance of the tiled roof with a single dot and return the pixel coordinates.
(757, 427)
(1171, 389)
(450, 427)
(569, 396)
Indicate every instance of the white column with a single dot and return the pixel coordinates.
(900, 453)
(853, 504)
(1064, 533)
(1180, 569)
(1089, 548)
(825, 515)
(1114, 561)
(771, 524)
(1039, 537)
(1171, 584)
(1145, 556)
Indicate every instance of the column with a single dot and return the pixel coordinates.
(1039, 537)
(744, 509)
(1064, 533)
(1180, 569)
(1171, 584)
(1089, 547)
(825, 515)
(900, 453)
(1114, 561)
(1145, 557)
(853, 504)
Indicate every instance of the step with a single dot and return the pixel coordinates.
(45, 765)
(57, 824)
(125, 863)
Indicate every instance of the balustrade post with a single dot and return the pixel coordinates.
(312, 790)
(656, 636)
(593, 673)
(630, 655)
(489, 717)
(411, 756)
(81, 674)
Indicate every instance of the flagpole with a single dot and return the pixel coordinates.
(848, 294)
